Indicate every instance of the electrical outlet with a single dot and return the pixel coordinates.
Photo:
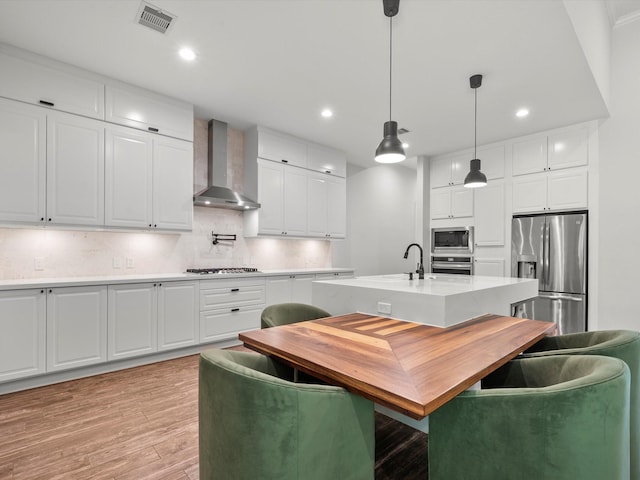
(384, 307)
(38, 263)
(130, 262)
(117, 262)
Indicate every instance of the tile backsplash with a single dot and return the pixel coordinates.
(45, 252)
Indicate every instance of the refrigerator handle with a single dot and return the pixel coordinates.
(547, 250)
(556, 296)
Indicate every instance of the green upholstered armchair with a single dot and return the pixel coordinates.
(255, 425)
(285, 313)
(622, 344)
(553, 418)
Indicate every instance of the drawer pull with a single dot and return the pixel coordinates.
(235, 309)
(235, 289)
(152, 129)
(48, 104)
(284, 161)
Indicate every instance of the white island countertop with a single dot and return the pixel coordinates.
(439, 299)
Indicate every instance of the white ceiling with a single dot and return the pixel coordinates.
(277, 63)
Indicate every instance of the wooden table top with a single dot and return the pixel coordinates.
(409, 367)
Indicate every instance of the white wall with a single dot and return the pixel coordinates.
(381, 221)
(619, 232)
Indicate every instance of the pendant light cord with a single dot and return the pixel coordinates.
(475, 122)
(390, 60)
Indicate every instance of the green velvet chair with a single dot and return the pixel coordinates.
(622, 344)
(256, 425)
(285, 313)
(560, 417)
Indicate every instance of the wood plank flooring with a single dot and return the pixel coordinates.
(135, 424)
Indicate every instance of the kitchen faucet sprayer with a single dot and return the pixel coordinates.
(420, 270)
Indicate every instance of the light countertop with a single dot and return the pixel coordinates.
(14, 284)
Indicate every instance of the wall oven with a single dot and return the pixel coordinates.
(452, 240)
(462, 265)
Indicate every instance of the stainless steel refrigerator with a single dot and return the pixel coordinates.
(553, 249)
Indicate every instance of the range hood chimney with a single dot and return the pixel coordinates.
(217, 194)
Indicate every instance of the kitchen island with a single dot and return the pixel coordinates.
(439, 299)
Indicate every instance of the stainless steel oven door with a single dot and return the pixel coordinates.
(452, 265)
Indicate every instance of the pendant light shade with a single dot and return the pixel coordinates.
(475, 178)
(390, 149)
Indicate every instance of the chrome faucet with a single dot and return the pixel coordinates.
(420, 270)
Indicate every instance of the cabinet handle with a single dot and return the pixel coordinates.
(49, 219)
(50, 290)
(48, 104)
(284, 161)
(42, 219)
(159, 284)
(235, 289)
(149, 224)
(235, 309)
(155, 225)
(41, 291)
(152, 129)
(327, 171)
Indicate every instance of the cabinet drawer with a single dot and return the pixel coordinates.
(221, 324)
(230, 295)
(145, 110)
(31, 82)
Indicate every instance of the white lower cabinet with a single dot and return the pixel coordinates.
(149, 317)
(334, 275)
(22, 333)
(289, 288)
(229, 307)
(133, 310)
(178, 315)
(76, 327)
(490, 267)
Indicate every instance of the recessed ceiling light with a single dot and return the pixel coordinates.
(187, 54)
(327, 113)
(523, 112)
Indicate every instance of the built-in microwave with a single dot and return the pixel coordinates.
(452, 240)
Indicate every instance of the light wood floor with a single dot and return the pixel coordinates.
(137, 424)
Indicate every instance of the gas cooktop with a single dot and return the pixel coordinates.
(218, 271)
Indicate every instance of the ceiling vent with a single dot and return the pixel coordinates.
(154, 18)
(402, 131)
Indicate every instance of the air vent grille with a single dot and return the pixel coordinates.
(154, 18)
(403, 130)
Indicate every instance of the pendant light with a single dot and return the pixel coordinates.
(390, 149)
(475, 178)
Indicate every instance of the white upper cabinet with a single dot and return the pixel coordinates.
(326, 208)
(23, 168)
(327, 160)
(128, 177)
(172, 184)
(562, 190)
(40, 84)
(282, 148)
(560, 150)
(75, 170)
(303, 196)
(454, 202)
(144, 110)
(449, 171)
(489, 214)
(530, 156)
(568, 149)
(492, 162)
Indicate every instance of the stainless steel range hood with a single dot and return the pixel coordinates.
(218, 194)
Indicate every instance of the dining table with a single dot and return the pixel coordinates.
(410, 368)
